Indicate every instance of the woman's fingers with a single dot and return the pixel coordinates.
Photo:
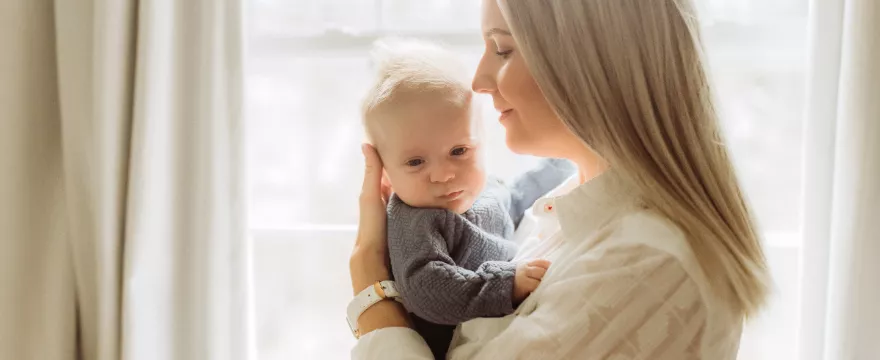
(372, 187)
(369, 259)
(371, 225)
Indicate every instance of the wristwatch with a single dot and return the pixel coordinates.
(379, 291)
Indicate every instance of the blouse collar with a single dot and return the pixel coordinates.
(584, 208)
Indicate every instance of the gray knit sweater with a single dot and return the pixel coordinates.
(450, 268)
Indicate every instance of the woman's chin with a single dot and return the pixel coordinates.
(517, 145)
(531, 147)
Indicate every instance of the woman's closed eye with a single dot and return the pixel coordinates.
(502, 50)
(504, 54)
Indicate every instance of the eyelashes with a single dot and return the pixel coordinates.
(504, 54)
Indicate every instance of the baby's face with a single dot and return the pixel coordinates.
(430, 152)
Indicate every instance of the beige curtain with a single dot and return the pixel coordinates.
(840, 266)
(122, 224)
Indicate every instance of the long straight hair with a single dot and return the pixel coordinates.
(628, 78)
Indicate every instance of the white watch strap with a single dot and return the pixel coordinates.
(367, 298)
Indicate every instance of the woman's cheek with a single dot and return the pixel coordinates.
(501, 82)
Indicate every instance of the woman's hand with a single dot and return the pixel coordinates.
(373, 202)
(369, 260)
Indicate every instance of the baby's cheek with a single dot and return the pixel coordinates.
(477, 180)
(407, 195)
(415, 194)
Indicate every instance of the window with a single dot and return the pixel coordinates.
(308, 67)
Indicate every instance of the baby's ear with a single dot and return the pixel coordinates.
(385, 180)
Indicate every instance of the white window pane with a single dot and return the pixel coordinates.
(750, 11)
(772, 335)
(431, 16)
(304, 130)
(302, 289)
(359, 16)
(286, 18)
(759, 69)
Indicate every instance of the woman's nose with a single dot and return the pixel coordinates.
(484, 78)
(481, 84)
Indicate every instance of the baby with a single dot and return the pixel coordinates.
(449, 226)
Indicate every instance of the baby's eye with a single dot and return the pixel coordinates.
(459, 151)
(415, 162)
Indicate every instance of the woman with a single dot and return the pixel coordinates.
(654, 252)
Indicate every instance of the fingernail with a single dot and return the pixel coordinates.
(364, 149)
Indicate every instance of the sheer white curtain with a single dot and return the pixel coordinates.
(840, 297)
(122, 221)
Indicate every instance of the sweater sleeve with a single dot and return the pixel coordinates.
(431, 284)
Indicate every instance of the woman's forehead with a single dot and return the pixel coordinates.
(491, 18)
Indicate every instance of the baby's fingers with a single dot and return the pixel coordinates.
(535, 272)
(529, 284)
(540, 263)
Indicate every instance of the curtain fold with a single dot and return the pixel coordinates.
(187, 165)
(38, 313)
(123, 226)
(826, 35)
(95, 59)
(854, 269)
(840, 268)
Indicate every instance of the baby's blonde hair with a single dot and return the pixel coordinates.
(413, 67)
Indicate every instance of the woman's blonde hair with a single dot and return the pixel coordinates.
(628, 78)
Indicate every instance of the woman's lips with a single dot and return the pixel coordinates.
(505, 114)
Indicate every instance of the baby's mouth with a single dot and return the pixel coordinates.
(453, 195)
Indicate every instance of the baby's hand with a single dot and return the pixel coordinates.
(528, 277)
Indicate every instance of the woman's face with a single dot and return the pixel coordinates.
(531, 124)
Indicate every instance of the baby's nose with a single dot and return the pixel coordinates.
(442, 175)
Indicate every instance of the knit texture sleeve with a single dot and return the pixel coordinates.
(432, 285)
